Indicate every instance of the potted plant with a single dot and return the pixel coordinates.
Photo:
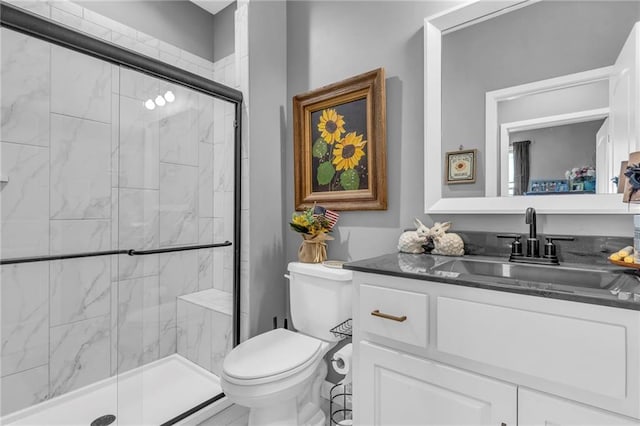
(314, 224)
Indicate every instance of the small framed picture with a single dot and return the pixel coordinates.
(577, 186)
(461, 166)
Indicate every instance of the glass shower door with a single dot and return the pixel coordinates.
(175, 189)
(56, 200)
(99, 159)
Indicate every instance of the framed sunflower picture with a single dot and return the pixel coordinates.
(461, 166)
(339, 145)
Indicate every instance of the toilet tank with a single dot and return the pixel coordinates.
(319, 298)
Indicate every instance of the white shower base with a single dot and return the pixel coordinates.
(148, 395)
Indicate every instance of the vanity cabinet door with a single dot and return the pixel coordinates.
(535, 408)
(400, 389)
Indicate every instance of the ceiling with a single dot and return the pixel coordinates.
(212, 6)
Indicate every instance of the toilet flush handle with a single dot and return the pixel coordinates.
(287, 276)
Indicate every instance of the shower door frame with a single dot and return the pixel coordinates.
(25, 22)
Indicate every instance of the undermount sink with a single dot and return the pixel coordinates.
(554, 275)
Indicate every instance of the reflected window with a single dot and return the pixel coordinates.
(512, 176)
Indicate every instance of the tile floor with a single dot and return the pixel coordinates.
(237, 415)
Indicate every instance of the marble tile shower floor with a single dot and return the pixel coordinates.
(148, 395)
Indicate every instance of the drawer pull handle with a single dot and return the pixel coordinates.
(377, 313)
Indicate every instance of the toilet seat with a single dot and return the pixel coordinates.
(271, 356)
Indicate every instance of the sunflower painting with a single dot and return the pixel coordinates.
(339, 150)
(339, 145)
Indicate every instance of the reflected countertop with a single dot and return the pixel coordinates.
(623, 292)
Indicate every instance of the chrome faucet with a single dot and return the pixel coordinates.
(533, 245)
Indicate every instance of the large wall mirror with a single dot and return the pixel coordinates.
(546, 91)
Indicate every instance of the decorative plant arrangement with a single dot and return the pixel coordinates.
(582, 178)
(338, 154)
(632, 173)
(313, 224)
(630, 177)
(581, 174)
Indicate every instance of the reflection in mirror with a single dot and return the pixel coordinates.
(570, 170)
(543, 41)
(555, 141)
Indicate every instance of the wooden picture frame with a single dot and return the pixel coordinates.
(630, 195)
(460, 166)
(339, 145)
(622, 179)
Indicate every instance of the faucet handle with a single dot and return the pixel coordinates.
(550, 248)
(516, 245)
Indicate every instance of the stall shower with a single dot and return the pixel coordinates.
(119, 220)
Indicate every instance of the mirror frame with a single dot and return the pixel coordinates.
(435, 26)
(498, 148)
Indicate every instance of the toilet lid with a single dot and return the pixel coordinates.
(269, 354)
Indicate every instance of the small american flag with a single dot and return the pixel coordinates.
(330, 215)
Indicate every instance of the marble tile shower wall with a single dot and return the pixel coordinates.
(90, 169)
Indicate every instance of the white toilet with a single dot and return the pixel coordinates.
(278, 374)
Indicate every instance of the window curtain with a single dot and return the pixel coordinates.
(521, 167)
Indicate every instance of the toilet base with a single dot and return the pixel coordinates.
(302, 409)
(284, 413)
(311, 415)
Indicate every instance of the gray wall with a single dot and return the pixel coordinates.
(331, 41)
(224, 32)
(176, 22)
(520, 47)
(266, 141)
(554, 150)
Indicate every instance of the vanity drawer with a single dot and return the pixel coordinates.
(395, 314)
(582, 353)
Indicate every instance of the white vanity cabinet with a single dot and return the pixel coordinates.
(400, 389)
(428, 353)
(535, 408)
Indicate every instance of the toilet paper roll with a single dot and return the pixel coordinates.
(341, 360)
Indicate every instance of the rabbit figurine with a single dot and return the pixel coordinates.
(446, 244)
(412, 241)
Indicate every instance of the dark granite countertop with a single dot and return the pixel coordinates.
(623, 283)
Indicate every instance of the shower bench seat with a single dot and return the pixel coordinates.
(204, 327)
